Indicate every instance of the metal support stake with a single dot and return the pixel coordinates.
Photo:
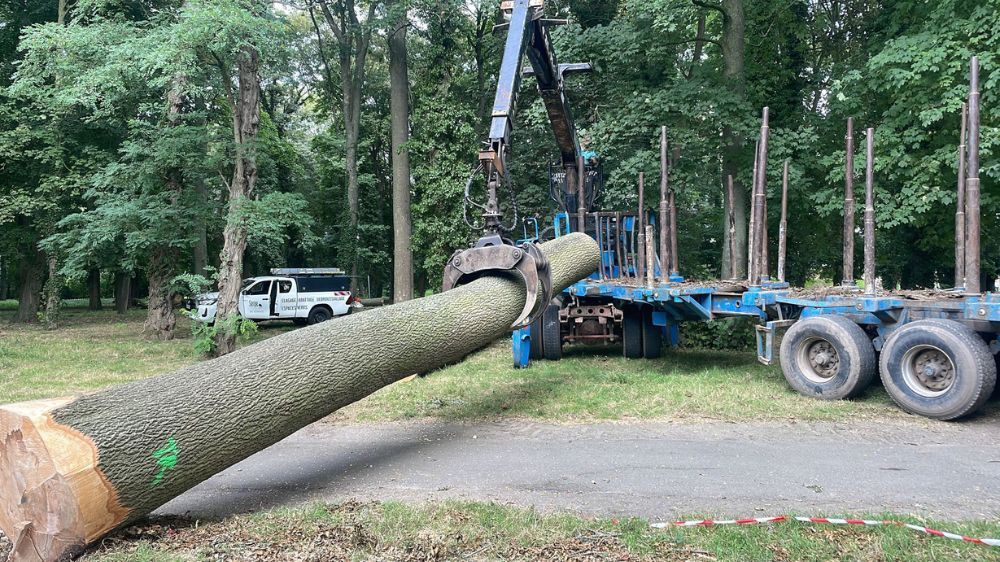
(581, 205)
(972, 217)
(869, 274)
(599, 238)
(618, 245)
(752, 231)
(650, 253)
(665, 226)
(783, 225)
(675, 268)
(848, 279)
(960, 202)
(640, 226)
(760, 201)
(731, 217)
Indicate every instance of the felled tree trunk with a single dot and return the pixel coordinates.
(75, 468)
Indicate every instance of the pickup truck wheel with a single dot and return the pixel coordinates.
(551, 333)
(652, 336)
(828, 357)
(319, 314)
(632, 332)
(938, 368)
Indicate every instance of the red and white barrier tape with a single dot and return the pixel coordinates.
(826, 520)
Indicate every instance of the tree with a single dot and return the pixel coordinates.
(399, 78)
(353, 39)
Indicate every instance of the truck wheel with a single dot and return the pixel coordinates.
(551, 333)
(652, 336)
(536, 352)
(319, 314)
(937, 368)
(632, 332)
(828, 357)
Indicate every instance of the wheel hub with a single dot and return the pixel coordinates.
(823, 359)
(933, 369)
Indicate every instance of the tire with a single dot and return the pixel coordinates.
(551, 333)
(632, 332)
(828, 357)
(319, 314)
(652, 336)
(940, 369)
(536, 351)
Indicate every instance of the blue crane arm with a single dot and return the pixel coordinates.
(528, 34)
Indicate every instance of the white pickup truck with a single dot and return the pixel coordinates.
(305, 296)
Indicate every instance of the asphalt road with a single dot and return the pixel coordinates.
(653, 470)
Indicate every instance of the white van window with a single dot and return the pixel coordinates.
(259, 289)
(284, 286)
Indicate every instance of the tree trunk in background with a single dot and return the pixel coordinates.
(399, 78)
(3, 278)
(53, 294)
(353, 40)
(94, 289)
(161, 318)
(246, 122)
(29, 279)
(123, 292)
(78, 467)
(733, 46)
(201, 232)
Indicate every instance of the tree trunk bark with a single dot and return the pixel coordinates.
(246, 122)
(3, 278)
(161, 318)
(30, 283)
(94, 289)
(733, 47)
(53, 294)
(123, 292)
(399, 78)
(201, 233)
(79, 467)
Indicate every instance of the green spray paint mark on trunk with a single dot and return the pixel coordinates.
(166, 459)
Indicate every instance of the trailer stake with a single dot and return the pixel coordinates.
(848, 279)
(960, 202)
(869, 273)
(783, 225)
(972, 218)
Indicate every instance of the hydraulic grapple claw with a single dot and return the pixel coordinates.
(493, 253)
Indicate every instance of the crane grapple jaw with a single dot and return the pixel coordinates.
(492, 253)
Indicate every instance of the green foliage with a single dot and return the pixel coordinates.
(204, 334)
(87, 143)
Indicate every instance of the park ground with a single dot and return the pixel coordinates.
(97, 349)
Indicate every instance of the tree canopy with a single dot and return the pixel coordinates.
(117, 147)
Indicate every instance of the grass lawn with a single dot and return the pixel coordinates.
(96, 349)
(486, 531)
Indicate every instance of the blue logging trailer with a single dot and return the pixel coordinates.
(934, 350)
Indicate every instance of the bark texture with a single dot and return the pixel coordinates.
(246, 124)
(30, 283)
(733, 56)
(94, 289)
(153, 439)
(123, 292)
(399, 77)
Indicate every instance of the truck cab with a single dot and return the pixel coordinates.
(304, 296)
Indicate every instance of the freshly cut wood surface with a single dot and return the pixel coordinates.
(74, 469)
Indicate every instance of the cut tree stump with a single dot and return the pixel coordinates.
(75, 468)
